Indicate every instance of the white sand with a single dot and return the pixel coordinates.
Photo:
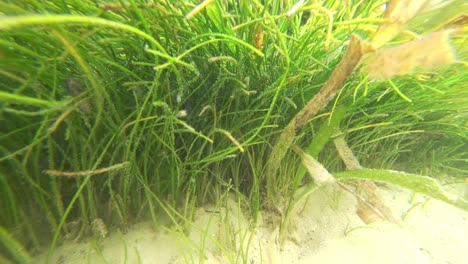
(325, 230)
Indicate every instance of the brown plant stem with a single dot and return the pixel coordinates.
(57, 173)
(372, 208)
(356, 49)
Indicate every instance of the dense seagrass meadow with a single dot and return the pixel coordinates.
(117, 113)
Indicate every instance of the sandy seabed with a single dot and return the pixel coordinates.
(326, 229)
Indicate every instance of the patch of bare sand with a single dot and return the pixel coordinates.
(325, 229)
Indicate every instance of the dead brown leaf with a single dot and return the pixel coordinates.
(399, 12)
(432, 50)
(316, 170)
(402, 11)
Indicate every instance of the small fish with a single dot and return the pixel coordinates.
(99, 228)
(75, 88)
(259, 37)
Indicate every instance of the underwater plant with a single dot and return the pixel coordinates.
(117, 112)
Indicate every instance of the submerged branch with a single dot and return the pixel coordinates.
(87, 172)
(356, 49)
